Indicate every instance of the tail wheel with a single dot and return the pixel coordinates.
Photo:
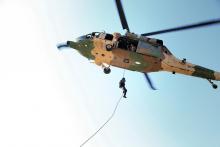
(214, 86)
(109, 47)
(107, 70)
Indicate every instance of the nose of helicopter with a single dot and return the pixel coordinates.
(84, 47)
(70, 44)
(77, 45)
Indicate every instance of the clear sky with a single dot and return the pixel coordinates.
(50, 98)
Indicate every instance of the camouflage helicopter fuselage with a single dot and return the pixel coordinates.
(136, 53)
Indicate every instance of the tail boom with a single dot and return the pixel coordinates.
(217, 76)
(172, 64)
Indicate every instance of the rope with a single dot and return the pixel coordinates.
(113, 113)
(111, 116)
(124, 73)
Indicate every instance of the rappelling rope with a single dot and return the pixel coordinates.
(111, 116)
(103, 124)
(124, 73)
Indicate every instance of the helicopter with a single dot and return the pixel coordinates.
(139, 53)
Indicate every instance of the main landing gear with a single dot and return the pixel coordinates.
(213, 84)
(106, 69)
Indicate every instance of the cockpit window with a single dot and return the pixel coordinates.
(81, 38)
(127, 44)
(96, 34)
(109, 37)
(88, 36)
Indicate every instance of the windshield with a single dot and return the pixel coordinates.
(88, 36)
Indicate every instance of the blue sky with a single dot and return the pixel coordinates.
(52, 98)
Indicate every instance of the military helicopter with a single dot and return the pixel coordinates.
(138, 52)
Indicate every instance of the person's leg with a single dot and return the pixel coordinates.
(124, 92)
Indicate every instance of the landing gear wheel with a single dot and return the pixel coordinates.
(215, 86)
(107, 70)
(108, 47)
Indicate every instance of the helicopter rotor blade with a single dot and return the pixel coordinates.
(122, 15)
(149, 81)
(186, 27)
(63, 45)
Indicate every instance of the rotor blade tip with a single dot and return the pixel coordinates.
(149, 81)
(62, 45)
